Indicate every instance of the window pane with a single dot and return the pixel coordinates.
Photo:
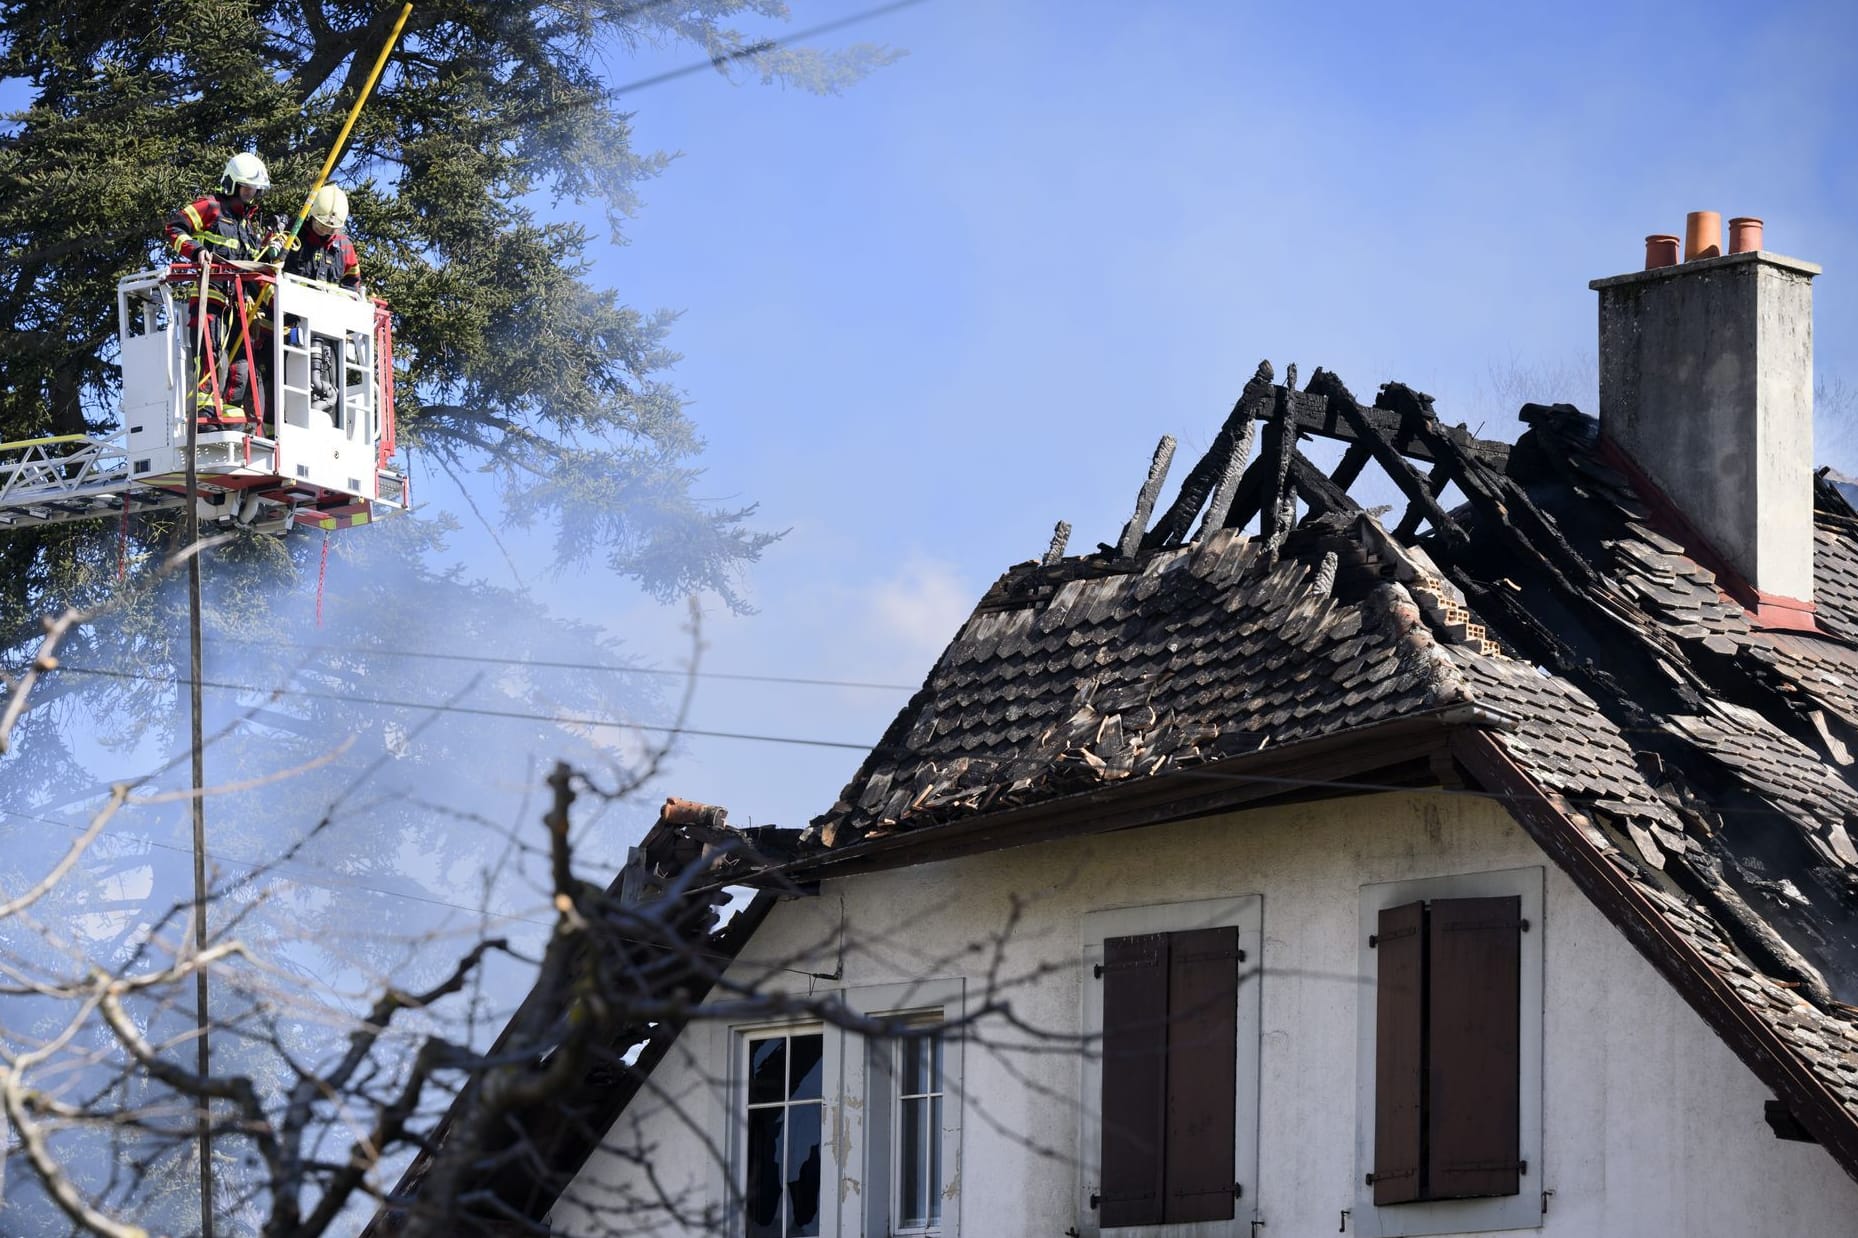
(803, 1168)
(762, 1191)
(935, 1150)
(806, 1066)
(935, 1078)
(913, 1053)
(767, 1070)
(912, 1205)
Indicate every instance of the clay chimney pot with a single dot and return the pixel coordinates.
(1744, 234)
(1703, 235)
(1660, 251)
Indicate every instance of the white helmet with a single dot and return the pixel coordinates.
(329, 209)
(244, 169)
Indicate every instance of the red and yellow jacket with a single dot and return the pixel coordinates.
(221, 223)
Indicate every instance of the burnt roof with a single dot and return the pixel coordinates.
(1561, 610)
(1561, 642)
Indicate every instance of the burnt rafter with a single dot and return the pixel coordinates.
(1353, 461)
(1317, 489)
(1381, 447)
(1132, 537)
(1225, 458)
(1248, 496)
(1510, 524)
(1435, 483)
(1276, 510)
(1326, 420)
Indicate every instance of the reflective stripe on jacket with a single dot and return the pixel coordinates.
(227, 225)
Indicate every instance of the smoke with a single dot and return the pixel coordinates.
(372, 813)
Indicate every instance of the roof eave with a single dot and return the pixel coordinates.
(1701, 985)
(1333, 764)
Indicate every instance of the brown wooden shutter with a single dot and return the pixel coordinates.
(1203, 1032)
(1135, 1027)
(1474, 1025)
(1399, 1053)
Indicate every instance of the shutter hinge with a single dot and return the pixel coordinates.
(1094, 1200)
(1238, 1190)
(1525, 924)
(1373, 940)
(1097, 973)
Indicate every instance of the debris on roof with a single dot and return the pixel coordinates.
(1601, 646)
(1690, 766)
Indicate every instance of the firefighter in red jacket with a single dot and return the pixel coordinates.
(324, 252)
(323, 249)
(225, 226)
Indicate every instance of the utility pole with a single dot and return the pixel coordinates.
(192, 526)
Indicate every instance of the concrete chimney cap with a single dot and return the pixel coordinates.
(1700, 265)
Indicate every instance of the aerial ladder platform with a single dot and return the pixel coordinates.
(316, 445)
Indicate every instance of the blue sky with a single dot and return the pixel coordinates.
(924, 320)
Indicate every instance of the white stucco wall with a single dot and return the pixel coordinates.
(1651, 1126)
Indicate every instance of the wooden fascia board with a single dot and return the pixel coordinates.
(1270, 773)
(1756, 1042)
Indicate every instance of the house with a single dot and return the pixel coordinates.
(1460, 871)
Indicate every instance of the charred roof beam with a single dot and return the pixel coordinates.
(1132, 538)
(1323, 419)
(1317, 489)
(1370, 432)
(1277, 508)
(1223, 460)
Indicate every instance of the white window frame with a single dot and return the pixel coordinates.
(831, 1070)
(870, 1212)
(856, 1161)
(1453, 1216)
(1246, 913)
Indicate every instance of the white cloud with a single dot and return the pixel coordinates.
(918, 610)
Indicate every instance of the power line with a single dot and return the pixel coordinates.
(554, 664)
(568, 720)
(331, 882)
(765, 45)
(480, 711)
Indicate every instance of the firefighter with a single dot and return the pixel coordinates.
(226, 226)
(324, 252)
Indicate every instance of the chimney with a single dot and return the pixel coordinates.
(1706, 390)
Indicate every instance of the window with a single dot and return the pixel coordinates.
(1171, 1099)
(916, 1135)
(910, 1093)
(1451, 1057)
(805, 1096)
(783, 1144)
(909, 1108)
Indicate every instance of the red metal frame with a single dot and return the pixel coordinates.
(384, 367)
(233, 282)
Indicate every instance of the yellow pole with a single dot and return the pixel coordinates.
(354, 113)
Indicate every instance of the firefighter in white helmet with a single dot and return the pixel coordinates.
(225, 226)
